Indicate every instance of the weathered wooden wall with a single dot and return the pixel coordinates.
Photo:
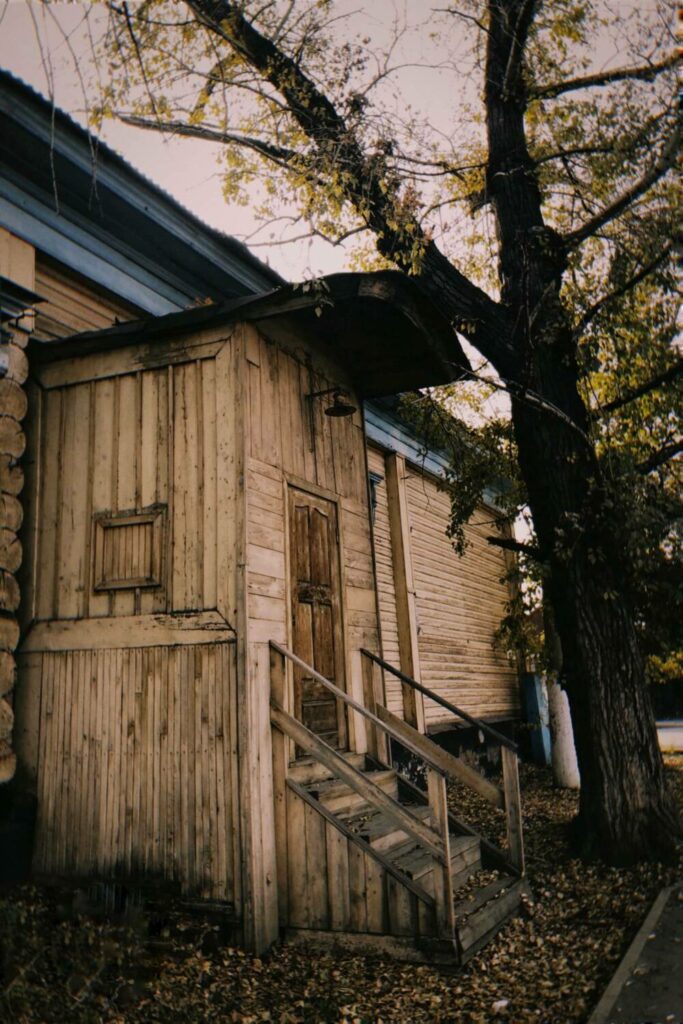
(327, 456)
(136, 765)
(459, 604)
(334, 886)
(128, 441)
(330, 458)
(72, 304)
(128, 696)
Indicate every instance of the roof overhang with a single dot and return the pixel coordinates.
(387, 335)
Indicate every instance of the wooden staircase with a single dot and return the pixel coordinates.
(387, 868)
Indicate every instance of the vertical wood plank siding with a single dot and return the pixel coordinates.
(119, 729)
(133, 749)
(116, 445)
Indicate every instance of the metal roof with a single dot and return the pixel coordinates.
(60, 184)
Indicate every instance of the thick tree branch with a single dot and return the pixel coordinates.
(644, 272)
(508, 544)
(659, 168)
(364, 184)
(643, 389)
(646, 73)
(660, 457)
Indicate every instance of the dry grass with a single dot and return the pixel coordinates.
(547, 967)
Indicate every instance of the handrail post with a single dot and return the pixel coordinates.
(280, 747)
(377, 741)
(443, 883)
(513, 807)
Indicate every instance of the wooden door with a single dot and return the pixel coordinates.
(316, 614)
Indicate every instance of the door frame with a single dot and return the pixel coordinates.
(308, 487)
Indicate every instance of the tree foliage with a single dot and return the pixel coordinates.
(532, 203)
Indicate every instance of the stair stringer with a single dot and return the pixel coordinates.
(352, 887)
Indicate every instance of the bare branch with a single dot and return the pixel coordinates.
(660, 457)
(646, 73)
(362, 179)
(627, 286)
(278, 154)
(643, 389)
(659, 168)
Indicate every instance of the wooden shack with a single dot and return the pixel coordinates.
(199, 699)
(221, 636)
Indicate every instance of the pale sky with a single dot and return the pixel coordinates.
(34, 48)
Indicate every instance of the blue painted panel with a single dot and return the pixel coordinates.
(536, 709)
(387, 430)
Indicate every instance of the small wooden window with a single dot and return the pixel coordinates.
(374, 480)
(128, 549)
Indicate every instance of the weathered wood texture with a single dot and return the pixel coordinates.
(459, 605)
(291, 445)
(128, 697)
(138, 751)
(334, 885)
(73, 304)
(129, 442)
(17, 263)
(290, 440)
(386, 591)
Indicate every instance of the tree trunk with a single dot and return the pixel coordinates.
(565, 766)
(626, 813)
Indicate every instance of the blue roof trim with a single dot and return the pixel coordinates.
(390, 432)
(385, 429)
(65, 242)
(102, 167)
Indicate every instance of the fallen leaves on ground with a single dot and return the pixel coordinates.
(548, 966)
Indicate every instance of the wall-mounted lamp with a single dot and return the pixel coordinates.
(341, 406)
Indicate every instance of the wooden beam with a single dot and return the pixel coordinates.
(404, 587)
(341, 768)
(377, 740)
(513, 808)
(449, 764)
(443, 882)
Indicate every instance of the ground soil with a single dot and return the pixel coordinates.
(548, 966)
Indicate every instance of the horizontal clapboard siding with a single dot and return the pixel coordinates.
(460, 603)
(72, 305)
(137, 766)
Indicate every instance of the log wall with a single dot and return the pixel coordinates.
(17, 263)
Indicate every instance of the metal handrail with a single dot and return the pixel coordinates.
(488, 729)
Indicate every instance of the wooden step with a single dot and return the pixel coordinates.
(306, 770)
(341, 798)
(380, 831)
(414, 861)
(484, 911)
